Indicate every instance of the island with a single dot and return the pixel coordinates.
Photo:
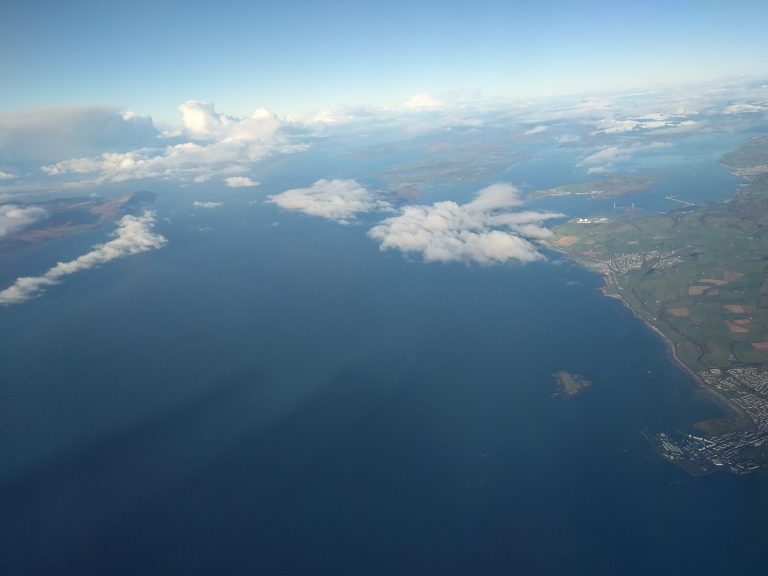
(611, 187)
(569, 385)
(64, 216)
(449, 166)
(698, 277)
(456, 158)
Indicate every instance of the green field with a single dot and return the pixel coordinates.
(697, 274)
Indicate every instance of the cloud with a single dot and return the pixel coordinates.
(610, 154)
(652, 121)
(535, 130)
(15, 217)
(29, 138)
(743, 109)
(340, 200)
(133, 235)
(331, 117)
(208, 205)
(240, 182)
(605, 159)
(188, 161)
(450, 232)
(201, 121)
(6, 175)
(209, 144)
(422, 101)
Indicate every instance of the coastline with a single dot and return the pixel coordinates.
(731, 408)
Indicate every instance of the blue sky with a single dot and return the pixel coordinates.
(295, 56)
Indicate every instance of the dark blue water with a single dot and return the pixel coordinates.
(270, 394)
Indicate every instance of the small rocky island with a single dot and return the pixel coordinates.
(569, 385)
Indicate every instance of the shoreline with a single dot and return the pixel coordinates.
(732, 409)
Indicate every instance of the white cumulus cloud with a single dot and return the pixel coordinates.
(188, 161)
(240, 182)
(133, 235)
(340, 200)
(485, 230)
(201, 121)
(6, 175)
(212, 144)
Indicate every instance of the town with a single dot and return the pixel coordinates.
(738, 451)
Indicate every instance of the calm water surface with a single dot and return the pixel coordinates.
(270, 394)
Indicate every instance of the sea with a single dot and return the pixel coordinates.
(271, 394)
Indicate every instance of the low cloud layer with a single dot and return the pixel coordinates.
(485, 230)
(654, 121)
(535, 130)
(32, 137)
(422, 101)
(208, 205)
(744, 108)
(189, 161)
(208, 144)
(606, 159)
(340, 200)
(133, 235)
(14, 217)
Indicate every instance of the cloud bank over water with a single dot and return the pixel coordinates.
(340, 200)
(485, 230)
(133, 235)
(91, 146)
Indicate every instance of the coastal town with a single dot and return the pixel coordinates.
(738, 445)
(738, 451)
(622, 263)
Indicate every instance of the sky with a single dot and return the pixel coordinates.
(98, 97)
(296, 57)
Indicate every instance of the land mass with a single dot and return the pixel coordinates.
(72, 215)
(569, 385)
(612, 187)
(448, 168)
(698, 276)
(455, 157)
